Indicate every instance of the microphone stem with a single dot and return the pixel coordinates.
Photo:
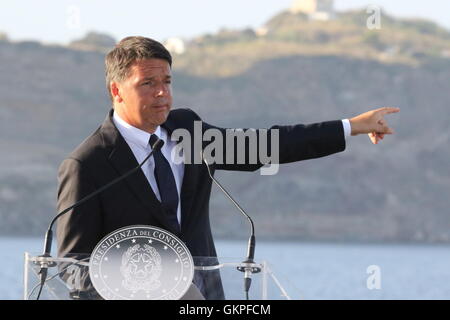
(252, 227)
(251, 242)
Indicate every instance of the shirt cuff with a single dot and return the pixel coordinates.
(347, 128)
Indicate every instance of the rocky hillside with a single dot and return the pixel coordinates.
(295, 71)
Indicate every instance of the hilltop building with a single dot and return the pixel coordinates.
(315, 9)
(175, 45)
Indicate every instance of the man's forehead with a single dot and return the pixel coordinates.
(151, 66)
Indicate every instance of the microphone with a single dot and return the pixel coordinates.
(49, 234)
(247, 265)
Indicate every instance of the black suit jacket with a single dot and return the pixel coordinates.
(105, 155)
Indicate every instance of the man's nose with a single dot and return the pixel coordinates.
(162, 90)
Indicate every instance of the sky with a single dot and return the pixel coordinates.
(61, 21)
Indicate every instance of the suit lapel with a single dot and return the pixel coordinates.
(122, 159)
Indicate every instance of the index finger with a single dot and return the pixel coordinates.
(388, 110)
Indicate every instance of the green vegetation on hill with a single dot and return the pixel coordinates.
(3, 36)
(232, 52)
(94, 41)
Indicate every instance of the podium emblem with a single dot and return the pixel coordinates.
(141, 263)
(141, 268)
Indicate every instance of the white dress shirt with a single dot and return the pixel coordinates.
(347, 128)
(138, 141)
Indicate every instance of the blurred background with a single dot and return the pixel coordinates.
(254, 64)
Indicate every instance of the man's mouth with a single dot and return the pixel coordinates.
(160, 106)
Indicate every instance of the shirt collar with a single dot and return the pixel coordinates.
(135, 135)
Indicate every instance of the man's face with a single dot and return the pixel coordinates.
(144, 99)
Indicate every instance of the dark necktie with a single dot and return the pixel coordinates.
(166, 185)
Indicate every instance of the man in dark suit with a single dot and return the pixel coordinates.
(138, 76)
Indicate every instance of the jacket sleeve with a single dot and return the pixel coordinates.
(282, 144)
(79, 230)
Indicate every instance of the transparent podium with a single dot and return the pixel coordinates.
(68, 279)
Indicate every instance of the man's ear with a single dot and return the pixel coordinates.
(114, 88)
